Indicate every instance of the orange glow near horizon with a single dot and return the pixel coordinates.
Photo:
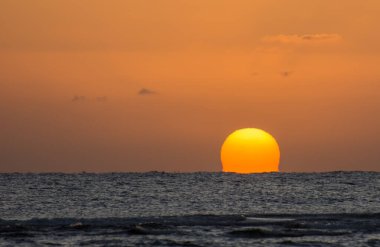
(142, 85)
(250, 151)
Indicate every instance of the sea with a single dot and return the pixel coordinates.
(190, 209)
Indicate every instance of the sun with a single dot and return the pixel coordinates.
(250, 151)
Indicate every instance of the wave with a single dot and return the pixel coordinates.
(136, 223)
(194, 230)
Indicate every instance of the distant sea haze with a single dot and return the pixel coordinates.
(191, 209)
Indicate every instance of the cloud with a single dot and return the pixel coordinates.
(145, 92)
(102, 99)
(81, 98)
(296, 39)
(286, 73)
(78, 98)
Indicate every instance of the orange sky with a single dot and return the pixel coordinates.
(70, 72)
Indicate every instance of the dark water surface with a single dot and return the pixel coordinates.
(193, 209)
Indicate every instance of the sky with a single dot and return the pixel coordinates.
(144, 85)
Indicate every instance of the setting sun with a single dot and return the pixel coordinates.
(250, 151)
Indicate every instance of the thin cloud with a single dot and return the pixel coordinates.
(303, 39)
(146, 92)
(286, 73)
(78, 98)
(102, 99)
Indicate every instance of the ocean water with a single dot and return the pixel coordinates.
(191, 209)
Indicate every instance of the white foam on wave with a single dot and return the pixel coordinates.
(268, 220)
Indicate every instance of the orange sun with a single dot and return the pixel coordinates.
(250, 151)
